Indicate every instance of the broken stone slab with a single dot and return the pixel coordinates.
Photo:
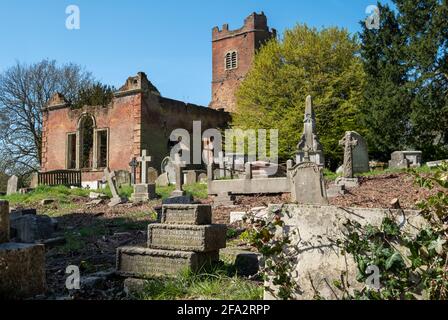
(22, 270)
(347, 182)
(46, 202)
(30, 228)
(224, 199)
(195, 214)
(246, 263)
(96, 202)
(237, 216)
(141, 262)
(435, 164)
(187, 199)
(336, 190)
(96, 196)
(116, 201)
(187, 238)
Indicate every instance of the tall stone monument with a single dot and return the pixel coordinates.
(144, 191)
(309, 141)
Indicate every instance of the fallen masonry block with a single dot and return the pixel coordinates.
(22, 270)
(187, 238)
(198, 214)
(140, 262)
(30, 228)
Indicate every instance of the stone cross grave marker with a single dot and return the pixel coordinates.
(133, 164)
(348, 143)
(116, 199)
(144, 160)
(12, 185)
(179, 165)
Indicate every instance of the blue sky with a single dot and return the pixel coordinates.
(170, 40)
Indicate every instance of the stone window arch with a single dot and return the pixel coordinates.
(88, 147)
(231, 60)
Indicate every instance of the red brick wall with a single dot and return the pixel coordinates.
(122, 118)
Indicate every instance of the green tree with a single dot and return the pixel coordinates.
(406, 102)
(322, 63)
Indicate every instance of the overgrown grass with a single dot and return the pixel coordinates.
(61, 194)
(218, 284)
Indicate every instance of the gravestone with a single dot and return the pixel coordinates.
(178, 166)
(168, 168)
(349, 142)
(185, 239)
(22, 266)
(144, 191)
(133, 164)
(162, 180)
(308, 184)
(12, 185)
(34, 183)
(202, 178)
(405, 159)
(152, 175)
(309, 142)
(122, 178)
(116, 199)
(360, 155)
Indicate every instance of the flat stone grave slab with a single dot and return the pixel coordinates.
(141, 262)
(187, 238)
(22, 270)
(197, 214)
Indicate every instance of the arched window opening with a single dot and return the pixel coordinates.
(231, 60)
(86, 131)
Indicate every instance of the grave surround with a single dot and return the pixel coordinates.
(185, 239)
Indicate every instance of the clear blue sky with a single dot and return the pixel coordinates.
(170, 40)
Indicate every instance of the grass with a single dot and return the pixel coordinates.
(197, 190)
(330, 175)
(218, 284)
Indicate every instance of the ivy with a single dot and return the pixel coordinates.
(411, 266)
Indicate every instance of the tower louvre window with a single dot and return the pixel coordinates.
(231, 61)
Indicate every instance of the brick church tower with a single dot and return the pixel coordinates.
(233, 53)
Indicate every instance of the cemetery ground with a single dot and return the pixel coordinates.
(90, 233)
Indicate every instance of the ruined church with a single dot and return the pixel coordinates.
(140, 118)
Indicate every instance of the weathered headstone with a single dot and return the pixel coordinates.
(133, 165)
(12, 185)
(360, 154)
(349, 142)
(144, 191)
(116, 199)
(162, 180)
(307, 184)
(34, 183)
(30, 228)
(152, 175)
(309, 141)
(405, 159)
(122, 178)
